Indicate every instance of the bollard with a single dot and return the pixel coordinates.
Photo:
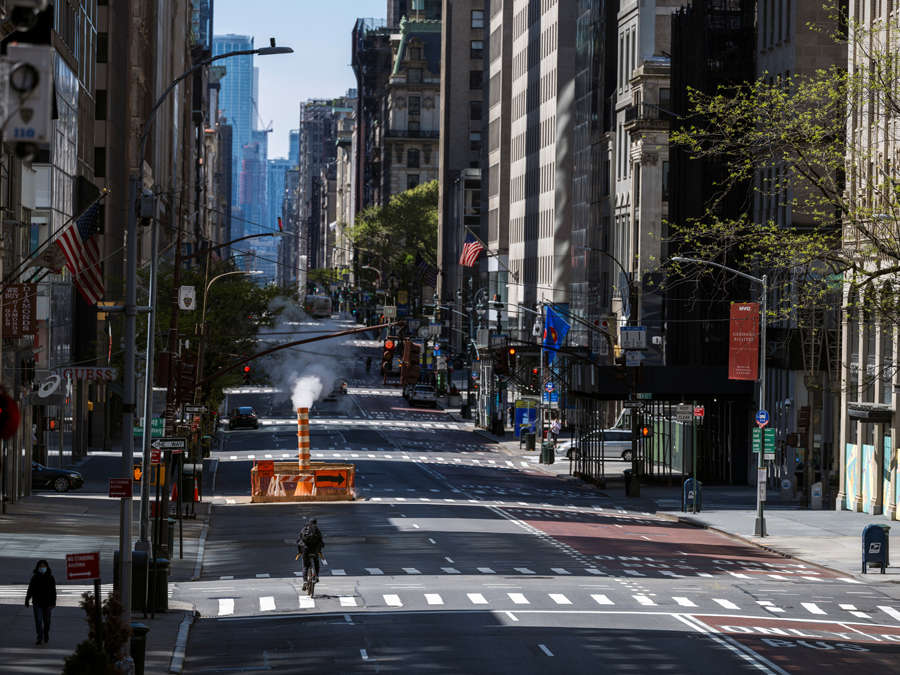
(138, 646)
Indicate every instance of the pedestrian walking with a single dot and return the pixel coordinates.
(42, 594)
(555, 428)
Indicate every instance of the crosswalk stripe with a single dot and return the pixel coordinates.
(523, 570)
(307, 602)
(518, 598)
(683, 602)
(704, 574)
(560, 570)
(374, 570)
(392, 600)
(890, 611)
(348, 601)
(485, 570)
(560, 599)
(643, 600)
(777, 576)
(602, 599)
(266, 603)
(592, 570)
(727, 604)
(450, 570)
(411, 570)
(434, 599)
(477, 599)
(338, 573)
(738, 575)
(812, 608)
(226, 606)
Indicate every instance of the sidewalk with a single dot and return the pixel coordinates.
(825, 538)
(49, 525)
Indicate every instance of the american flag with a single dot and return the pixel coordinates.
(79, 246)
(426, 272)
(472, 248)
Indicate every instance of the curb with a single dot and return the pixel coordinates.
(176, 665)
(201, 547)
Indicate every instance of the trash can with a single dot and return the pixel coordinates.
(138, 647)
(187, 482)
(627, 474)
(138, 576)
(689, 494)
(548, 454)
(464, 411)
(875, 544)
(158, 592)
(530, 441)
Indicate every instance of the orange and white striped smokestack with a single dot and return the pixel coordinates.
(303, 437)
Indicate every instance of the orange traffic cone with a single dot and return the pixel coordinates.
(196, 490)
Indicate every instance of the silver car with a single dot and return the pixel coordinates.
(425, 394)
(615, 444)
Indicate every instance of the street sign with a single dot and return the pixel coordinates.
(632, 404)
(176, 445)
(645, 396)
(548, 386)
(194, 409)
(762, 418)
(119, 488)
(684, 412)
(699, 411)
(155, 456)
(766, 439)
(82, 566)
(633, 337)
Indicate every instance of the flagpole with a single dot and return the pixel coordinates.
(491, 254)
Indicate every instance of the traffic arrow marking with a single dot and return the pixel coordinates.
(327, 478)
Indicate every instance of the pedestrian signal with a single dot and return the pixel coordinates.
(138, 472)
(645, 431)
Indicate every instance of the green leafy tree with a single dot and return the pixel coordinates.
(389, 237)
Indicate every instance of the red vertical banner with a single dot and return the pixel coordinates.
(743, 346)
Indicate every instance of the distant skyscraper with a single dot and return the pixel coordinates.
(236, 104)
(294, 147)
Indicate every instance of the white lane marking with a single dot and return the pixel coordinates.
(364, 654)
(449, 560)
(348, 601)
(512, 617)
(739, 575)
(431, 541)
(411, 570)
(415, 526)
(450, 570)
(264, 575)
(560, 570)
(434, 599)
(849, 580)
(809, 578)
(751, 657)
(602, 599)
(477, 599)
(777, 576)
(233, 457)
(266, 603)
(518, 598)
(727, 604)
(560, 599)
(704, 574)
(683, 602)
(251, 456)
(643, 600)
(226, 606)
(890, 611)
(812, 608)
(227, 577)
(374, 570)
(765, 604)
(307, 602)
(592, 570)
(268, 456)
(485, 570)
(392, 600)
(523, 570)
(544, 649)
(338, 573)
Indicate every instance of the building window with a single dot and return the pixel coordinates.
(100, 105)
(102, 47)
(474, 110)
(476, 50)
(414, 54)
(412, 158)
(665, 181)
(399, 153)
(475, 79)
(412, 180)
(665, 98)
(414, 75)
(99, 162)
(475, 141)
(426, 156)
(477, 18)
(415, 105)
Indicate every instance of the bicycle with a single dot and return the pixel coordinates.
(310, 580)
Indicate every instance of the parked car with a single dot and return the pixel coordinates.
(61, 480)
(425, 394)
(616, 443)
(245, 416)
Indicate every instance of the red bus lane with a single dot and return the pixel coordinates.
(809, 646)
(653, 547)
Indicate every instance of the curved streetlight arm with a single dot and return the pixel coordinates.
(749, 277)
(611, 257)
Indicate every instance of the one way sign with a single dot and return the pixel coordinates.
(176, 445)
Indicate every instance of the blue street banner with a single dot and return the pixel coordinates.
(555, 331)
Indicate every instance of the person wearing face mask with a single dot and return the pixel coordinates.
(42, 593)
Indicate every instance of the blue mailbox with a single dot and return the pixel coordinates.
(689, 494)
(875, 546)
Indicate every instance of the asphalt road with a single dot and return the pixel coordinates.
(461, 557)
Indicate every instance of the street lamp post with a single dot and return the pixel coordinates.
(760, 526)
(130, 330)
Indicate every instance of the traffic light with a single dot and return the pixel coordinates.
(511, 359)
(501, 362)
(534, 381)
(246, 374)
(410, 365)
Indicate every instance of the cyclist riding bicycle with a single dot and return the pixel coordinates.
(309, 546)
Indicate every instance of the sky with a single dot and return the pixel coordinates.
(319, 33)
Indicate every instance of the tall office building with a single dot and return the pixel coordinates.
(236, 104)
